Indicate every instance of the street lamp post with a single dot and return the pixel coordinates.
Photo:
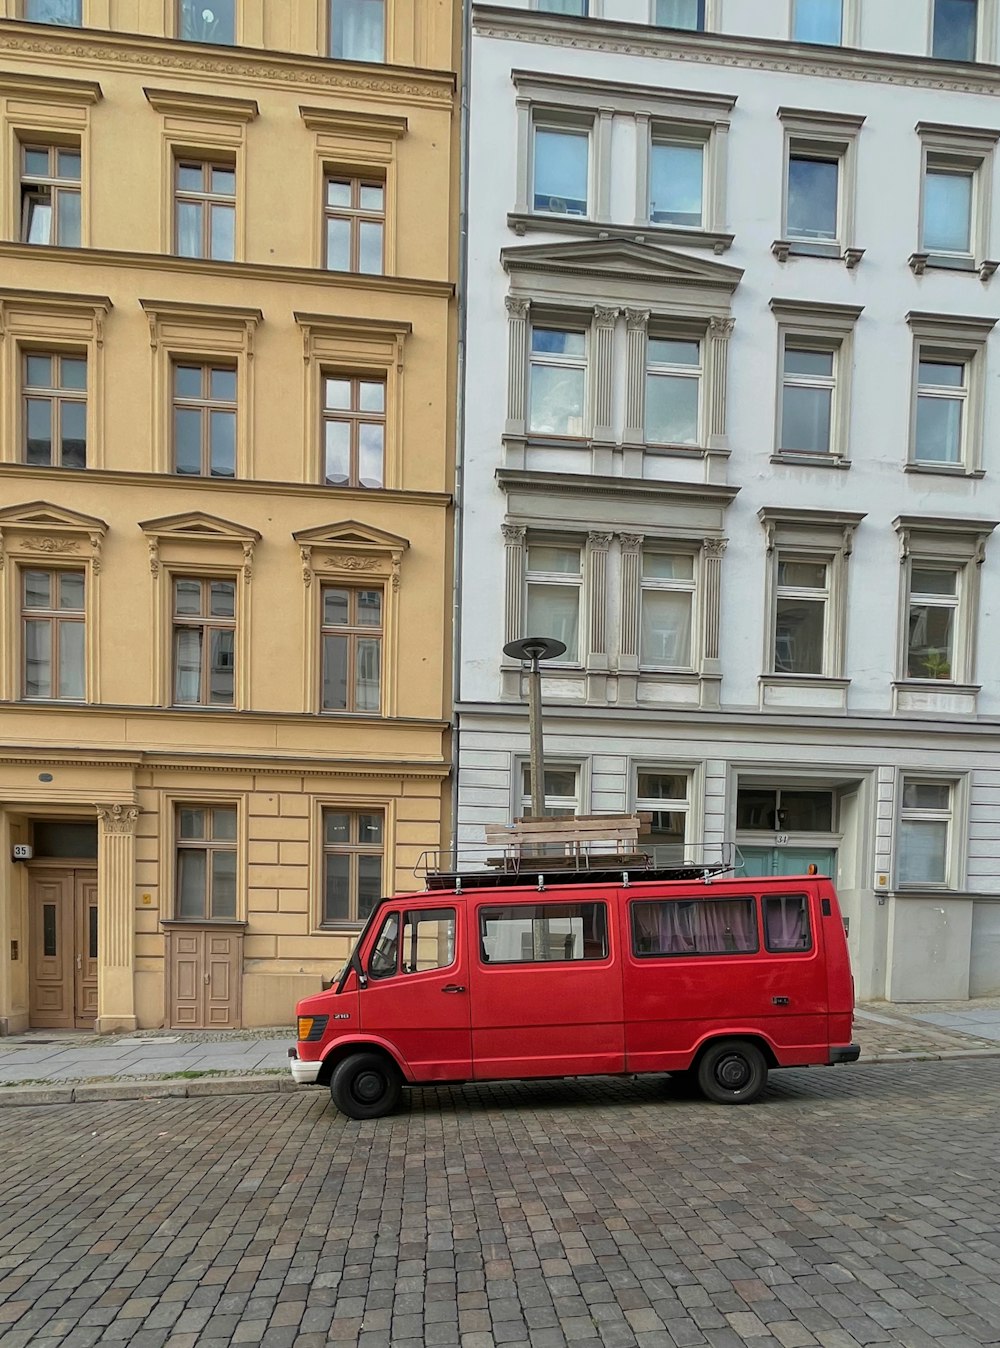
(533, 650)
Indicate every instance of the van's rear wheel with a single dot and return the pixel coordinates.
(732, 1072)
(366, 1086)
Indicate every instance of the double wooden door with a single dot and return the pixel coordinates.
(63, 948)
(204, 975)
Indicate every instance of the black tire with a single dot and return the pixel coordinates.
(366, 1086)
(732, 1072)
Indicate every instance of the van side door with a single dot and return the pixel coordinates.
(547, 989)
(416, 996)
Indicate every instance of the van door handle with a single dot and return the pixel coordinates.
(453, 987)
(780, 1001)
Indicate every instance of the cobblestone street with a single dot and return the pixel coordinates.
(852, 1206)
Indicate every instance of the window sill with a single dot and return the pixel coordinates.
(943, 470)
(938, 685)
(817, 692)
(525, 222)
(345, 928)
(233, 922)
(806, 460)
(662, 451)
(783, 249)
(921, 262)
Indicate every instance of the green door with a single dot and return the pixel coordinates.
(788, 860)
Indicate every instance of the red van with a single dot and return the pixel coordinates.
(719, 978)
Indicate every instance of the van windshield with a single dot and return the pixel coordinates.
(353, 960)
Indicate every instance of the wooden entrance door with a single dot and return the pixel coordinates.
(63, 948)
(205, 967)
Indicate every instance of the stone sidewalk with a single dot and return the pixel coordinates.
(58, 1067)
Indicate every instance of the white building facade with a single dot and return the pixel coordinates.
(732, 434)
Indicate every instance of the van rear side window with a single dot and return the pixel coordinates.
(695, 927)
(543, 933)
(786, 922)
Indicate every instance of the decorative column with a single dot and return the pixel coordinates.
(631, 593)
(597, 588)
(513, 546)
(116, 918)
(719, 332)
(601, 191)
(636, 327)
(711, 670)
(603, 368)
(517, 363)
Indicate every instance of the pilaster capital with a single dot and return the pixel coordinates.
(516, 306)
(118, 818)
(513, 533)
(715, 547)
(632, 542)
(605, 315)
(599, 542)
(721, 329)
(636, 320)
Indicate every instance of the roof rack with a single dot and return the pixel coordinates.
(584, 849)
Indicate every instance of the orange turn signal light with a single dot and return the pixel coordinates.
(305, 1026)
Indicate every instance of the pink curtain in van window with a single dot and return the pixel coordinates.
(697, 927)
(785, 923)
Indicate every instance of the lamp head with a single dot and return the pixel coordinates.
(534, 648)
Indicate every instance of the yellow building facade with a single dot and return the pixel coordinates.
(227, 255)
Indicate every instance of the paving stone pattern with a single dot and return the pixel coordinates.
(851, 1206)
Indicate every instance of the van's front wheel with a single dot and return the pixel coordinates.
(366, 1086)
(732, 1072)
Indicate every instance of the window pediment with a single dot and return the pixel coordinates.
(39, 529)
(180, 532)
(208, 107)
(350, 549)
(622, 260)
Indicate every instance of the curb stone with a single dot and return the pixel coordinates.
(95, 1091)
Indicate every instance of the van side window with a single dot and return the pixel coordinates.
(428, 939)
(695, 927)
(543, 933)
(383, 960)
(786, 922)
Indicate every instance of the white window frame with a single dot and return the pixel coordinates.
(818, 328)
(823, 595)
(657, 369)
(959, 150)
(953, 816)
(710, 24)
(817, 382)
(559, 122)
(833, 137)
(522, 798)
(847, 24)
(951, 602)
(932, 542)
(546, 360)
(657, 584)
(566, 579)
(668, 805)
(951, 339)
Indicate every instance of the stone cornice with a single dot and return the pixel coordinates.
(240, 271)
(211, 107)
(50, 89)
(223, 761)
(228, 488)
(729, 50)
(634, 488)
(87, 48)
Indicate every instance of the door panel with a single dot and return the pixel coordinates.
(205, 977)
(221, 981)
(86, 919)
(424, 1013)
(558, 1013)
(50, 935)
(763, 861)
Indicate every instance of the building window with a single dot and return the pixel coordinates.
(65, 12)
(802, 597)
(925, 820)
(205, 210)
(677, 183)
(560, 169)
(55, 410)
(557, 381)
(204, 630)
(351, 638)
(786, 810)
(820, 21)
(809, 382)
(207, 21)
(206, 862)
(667, 610)
(352, 864)
(354, 224)
(578, 7)
(353, 431)
(942, 395)
(948, 208)
(680, 14)
(52, 613)
(955, 29)
(933, 615)
(50, 195)
(204, 420)
(562, 793)
(666, 797)
(673, 391)
(357, 30)
(554, 580)
(813, 196)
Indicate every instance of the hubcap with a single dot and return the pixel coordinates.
(733, 1072)
(368, 1086)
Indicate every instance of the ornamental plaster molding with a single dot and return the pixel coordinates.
(118, 818)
